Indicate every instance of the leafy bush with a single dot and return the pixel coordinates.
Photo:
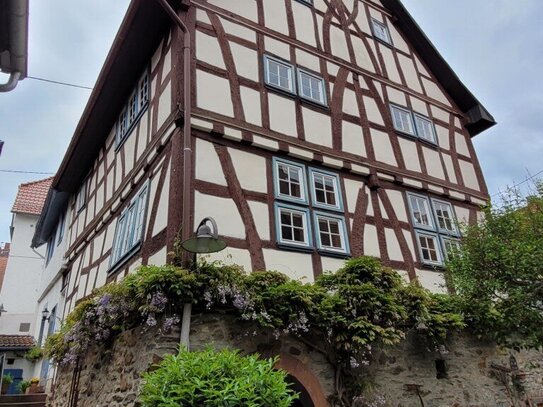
(34, 354)
(23, 385)
(7, 379)
(498, 273)
(215, 379)
(361, 306)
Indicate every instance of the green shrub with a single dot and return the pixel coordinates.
(22, 386)
(7, 379)
(34, 354)
(212, 378)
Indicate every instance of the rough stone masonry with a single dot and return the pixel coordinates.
(468, 373)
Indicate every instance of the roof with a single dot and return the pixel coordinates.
(16, 342)
(141, 30)
(31, 196)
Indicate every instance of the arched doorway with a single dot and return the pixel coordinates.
(303, 381)
(304, 399)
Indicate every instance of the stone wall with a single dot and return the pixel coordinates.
(475, 374)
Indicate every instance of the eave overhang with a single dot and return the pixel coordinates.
(144, 25)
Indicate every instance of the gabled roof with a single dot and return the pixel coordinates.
(16, 342)
(31, 197)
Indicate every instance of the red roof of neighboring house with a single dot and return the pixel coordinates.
(16, 342)
(31, 196)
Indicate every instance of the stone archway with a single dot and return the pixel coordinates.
(304, 381)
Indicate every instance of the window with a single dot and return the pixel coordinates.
(290, 181)
(446, 221)
(331, 233)
(450, 246)
(311, 87)
(129, 231)
(130, 114)
(380, 31)
(279, 74)
(413, 124)
(293, 225)
(425, 128)
(420, 211)
(325, 189)
(429, 248)
(50, 249)
(435, 228)
(81, 197)
(61, 226)
(402, 119)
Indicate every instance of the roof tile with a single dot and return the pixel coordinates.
(16, 341)
(31, 196)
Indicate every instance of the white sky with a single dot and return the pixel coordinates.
(493, 45)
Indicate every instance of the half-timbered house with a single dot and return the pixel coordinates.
(319, 130)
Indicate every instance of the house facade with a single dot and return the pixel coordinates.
(320, 130)
(20, 288)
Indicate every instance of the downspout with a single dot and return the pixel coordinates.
(16, 57)
(187, 152)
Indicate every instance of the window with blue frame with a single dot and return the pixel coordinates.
(130, 227)
(436, 228)
(131, 112)
(309, 208)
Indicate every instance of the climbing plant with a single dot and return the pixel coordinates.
(345, 315)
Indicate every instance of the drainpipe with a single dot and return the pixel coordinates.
(14, 59)
(187, 151)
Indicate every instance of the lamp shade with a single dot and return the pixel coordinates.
(206, 239)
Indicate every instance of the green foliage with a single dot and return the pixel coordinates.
(34, 354)
(361, 306)
(7, 379)
(215, 379)
(23, 385)
(498, 273)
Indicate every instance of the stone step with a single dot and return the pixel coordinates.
(23, 400)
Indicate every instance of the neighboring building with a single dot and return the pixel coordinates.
(319, 132)
(22, 277)
(12, 351)
(4, 253)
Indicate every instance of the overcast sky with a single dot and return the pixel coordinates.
(493, 45)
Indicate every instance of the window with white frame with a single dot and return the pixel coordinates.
(311, 87)
(435, 226)
(50, 249)
(325, 189)
(425, 128)
(290, 181)
(294, 210)
(380, 31)
(131, 112)
(279, 74)
(130, 227)
(402, 120)
(293, 225)
(414, 124)
(81, 197)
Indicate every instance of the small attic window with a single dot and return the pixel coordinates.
(380, 31)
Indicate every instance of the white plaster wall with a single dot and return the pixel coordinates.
(410, 154)
(303, 21)
(353, 139)
(382, 147)
(208, 166)
(213, 93)
(468, 174)
(282, 115)
(224, 210)
(318, 127)
(432, 280)
(297, 266)
(250, 170)
(23, 275)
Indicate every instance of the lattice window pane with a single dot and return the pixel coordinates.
(403, 120)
